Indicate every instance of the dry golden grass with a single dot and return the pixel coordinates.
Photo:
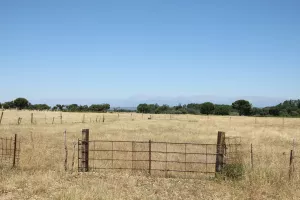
(41, 174)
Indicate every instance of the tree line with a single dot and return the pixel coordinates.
(22, 103)
(289, 108)
(241, 107)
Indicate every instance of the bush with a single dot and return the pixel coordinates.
(233, 171)
(193, 111)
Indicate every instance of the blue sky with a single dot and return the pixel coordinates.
(116, 50)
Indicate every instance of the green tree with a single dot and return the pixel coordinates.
(222, 110)
(83, 108)
(99, 107)
(194, 108)
(60, 107)
(283, 113)
(164, 109)
(21, 103)
(274, 111)
(178, 107)
(152, 108)
(143, 108)
(256, 111)
(72, 108)
(243, 107)
(294, 114)
(265, 111)
(9, 105)
(54, 108)
(38, 107)
(207, 108)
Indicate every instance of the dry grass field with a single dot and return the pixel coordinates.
(41, 175)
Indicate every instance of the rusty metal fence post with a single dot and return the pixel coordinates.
(85, 150)
(220, 151)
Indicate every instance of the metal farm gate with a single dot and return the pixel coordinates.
(167, 159)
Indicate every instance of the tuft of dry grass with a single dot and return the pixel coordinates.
(41, 174)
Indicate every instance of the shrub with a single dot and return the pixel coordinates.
(193, 111)
(233, 171)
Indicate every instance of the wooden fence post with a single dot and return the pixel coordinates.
(85, 150)
(291, 164)
(61, 118)
(31, 118)
(66, 150)
(220, 151)
(103, 119)
(53, 120)
(73, 156)
(15, 151)
(19, 120)
(1, 117)
(83, 118)
(150, 160)
(251, 156)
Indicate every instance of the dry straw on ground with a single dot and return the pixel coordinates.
(41, 173)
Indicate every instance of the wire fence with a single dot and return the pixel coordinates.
(9, 151)
(168, 159)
